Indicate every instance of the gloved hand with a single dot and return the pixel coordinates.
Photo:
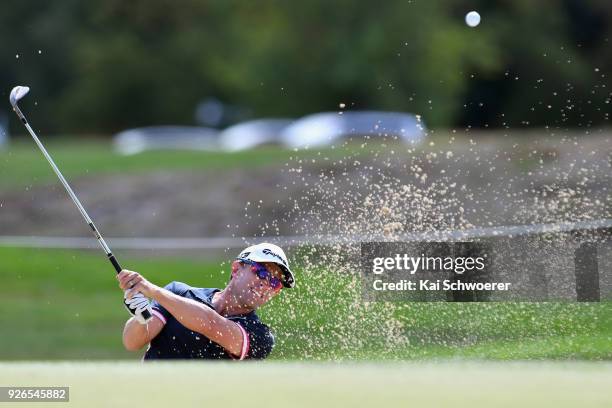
(138, 303)
(136, 290)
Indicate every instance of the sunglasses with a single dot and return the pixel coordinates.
(262, 273)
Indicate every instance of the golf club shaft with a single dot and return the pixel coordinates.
(76, 201)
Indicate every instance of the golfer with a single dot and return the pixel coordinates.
(208, 323)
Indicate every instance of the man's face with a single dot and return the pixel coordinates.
(252, 291)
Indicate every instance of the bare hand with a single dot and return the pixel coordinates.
(134, 283)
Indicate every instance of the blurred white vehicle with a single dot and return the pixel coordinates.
(134, 141)
(247, 135)
(322, 129)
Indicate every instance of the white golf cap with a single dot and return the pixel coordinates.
(266, 252)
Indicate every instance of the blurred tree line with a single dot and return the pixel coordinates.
(103, 65)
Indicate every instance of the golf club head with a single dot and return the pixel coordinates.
(17, 93)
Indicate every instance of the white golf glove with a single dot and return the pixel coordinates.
(139, 303)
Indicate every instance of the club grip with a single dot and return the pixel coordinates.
(115, 263)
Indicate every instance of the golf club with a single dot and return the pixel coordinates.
(16, 94)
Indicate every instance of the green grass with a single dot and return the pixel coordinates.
(22, 164)
(58, 304)
(278, 384)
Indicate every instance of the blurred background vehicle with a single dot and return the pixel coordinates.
(138, 140)
(324, 129)
(317, 130)
(247, 135)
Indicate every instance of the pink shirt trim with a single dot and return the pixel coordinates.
(158, 314)
(246, 343)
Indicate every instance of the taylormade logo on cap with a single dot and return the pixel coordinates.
(266, 252)
(269, 252)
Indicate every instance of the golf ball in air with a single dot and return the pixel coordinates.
(472, 18)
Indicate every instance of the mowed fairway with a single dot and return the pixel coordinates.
(276, 384)
(21, 164)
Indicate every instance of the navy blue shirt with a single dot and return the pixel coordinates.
(175, 341)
